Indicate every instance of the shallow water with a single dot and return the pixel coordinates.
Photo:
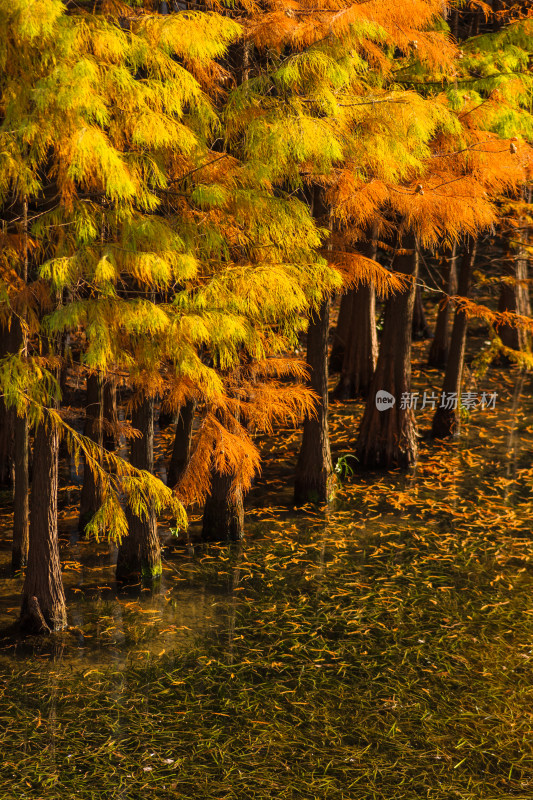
(379, 649)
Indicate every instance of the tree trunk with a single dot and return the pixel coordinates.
(342, 331)
(166, 418)
(446, 420)
(361, 351)
(139, 554)
(110, 414)
(21, 516)
(21, 512)
(91, 494)
(314, 471)
(515, 298)
(43, 598)
(6, 420)
(440, 346)
(66, 357)
(455, 24)
(387, 436)
(223, 519)
(6, 445)
(182, 443)
(420, 325)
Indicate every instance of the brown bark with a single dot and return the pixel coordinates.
(455, 24)
(110, 414)
(314, 471)
(440, 346)
(43, 599)
(342, 331)
(181, 450)
(6, 419)
(91, 494)
(361, 352)
(21, 511)
(387, 438)
(6, 445)
(19, 441)
(21, 516)
(515, 298)
(446, 420)
(66, 358)
(420, 324)
(223, 518)
(139, 554)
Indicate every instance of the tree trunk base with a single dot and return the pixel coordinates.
(132, 572)
(314, 477)
(43, 596)
(223, 519)
(139, 553)
(445, 424)
(34, 621)
(386, 443)
(309, 489)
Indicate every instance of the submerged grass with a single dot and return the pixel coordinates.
(396, 664)
(379, 651)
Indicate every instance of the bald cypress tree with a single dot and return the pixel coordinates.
(446, 418)
(387, 435)
(91, 148)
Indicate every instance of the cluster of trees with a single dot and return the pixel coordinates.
(184, 188)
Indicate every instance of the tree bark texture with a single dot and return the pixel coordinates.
(181, 450)
(314, 470)
(387, 438)
(361, 349)
(139, 554)
(342, 331)
(110, 440)
(43, 598)
(515, 298)
(420, 324)
(440, 346)
(223, 518)
(6, 419)
(91, 495)
(21, 463)
(21, 515)
(446, 420)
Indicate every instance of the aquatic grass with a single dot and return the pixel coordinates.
(396, 664)
(381, 650)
